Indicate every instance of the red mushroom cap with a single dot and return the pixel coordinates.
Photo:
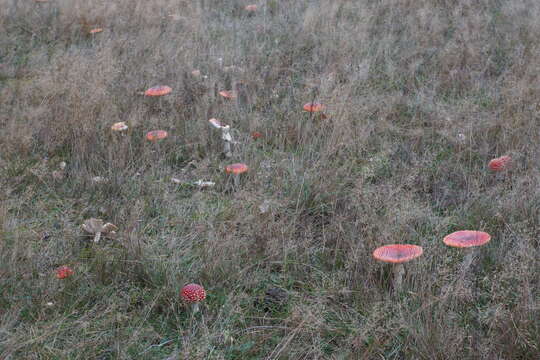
(397, 253)
(193, 293)
(500, 163)
(228, 94)
(256, 135)
(466, 238)
(236, 169)
(159, 90)
(95, 31)
(251, 8)
(156, 135)
(63, 272)
(313, 107)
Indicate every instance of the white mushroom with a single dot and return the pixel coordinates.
(225, 135)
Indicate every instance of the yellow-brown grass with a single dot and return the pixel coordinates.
(419, 96)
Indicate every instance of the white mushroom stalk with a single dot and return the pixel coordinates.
(203, 184)
(199, 183)
(225, 136)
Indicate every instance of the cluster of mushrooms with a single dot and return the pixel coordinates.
(396, 254)
(399, 254)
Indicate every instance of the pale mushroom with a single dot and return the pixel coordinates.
(119, 127)
(96, 227)
(225, 135)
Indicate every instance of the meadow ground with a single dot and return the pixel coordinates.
(419, 96)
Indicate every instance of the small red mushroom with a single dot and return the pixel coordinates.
(155, 135)
(256, 135)
(228, 94)
(313, 107)
(236, 170)
(192, 294)
(64, 272)
(500, 163)
(159, 90)
(251, 8)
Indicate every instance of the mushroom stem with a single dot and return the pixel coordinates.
(468, 259)
(399, 270)
(195, 308)
(97, 237)
(227, 149)
(236, 180)
(227, 139)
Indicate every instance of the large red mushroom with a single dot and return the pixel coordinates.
(397, 254)
(468, 240)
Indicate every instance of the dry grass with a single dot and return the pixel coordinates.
(420, 95)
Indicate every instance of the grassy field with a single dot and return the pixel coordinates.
(418, 95)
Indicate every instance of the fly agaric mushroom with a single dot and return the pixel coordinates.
(500, 163)
(228, 94)
(159, 90)
(155, 135)
(251, 8)
(236, 170)
(97, 228)
(397, 254)
(256, 135)
(313, 107)
(119, 127)
(192, 294)
(64, 272)
(467, 239)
